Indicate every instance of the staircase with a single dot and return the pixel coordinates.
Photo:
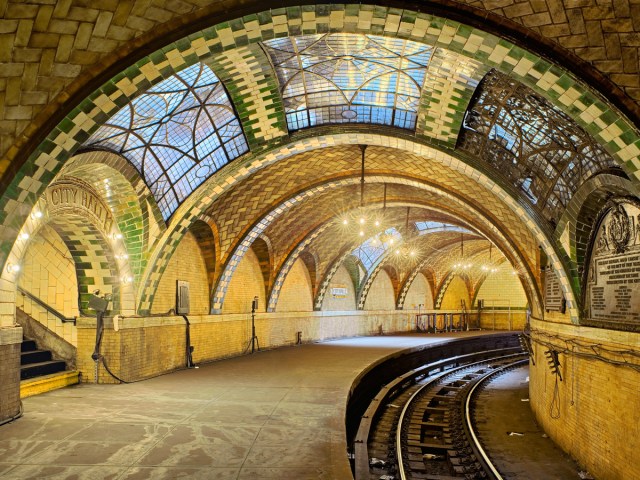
(37, 363)
(39, 373)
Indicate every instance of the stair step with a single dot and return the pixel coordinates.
(35, 356)
(28, 345)
(41, 368)
(35, 386)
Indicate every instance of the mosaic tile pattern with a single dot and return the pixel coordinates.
(601, 120)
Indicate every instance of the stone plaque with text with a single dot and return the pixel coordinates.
(553, 297)
(613, 286)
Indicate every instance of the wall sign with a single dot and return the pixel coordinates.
(613, 282)
(553, 296)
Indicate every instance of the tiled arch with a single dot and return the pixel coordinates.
(260, 225)
(581, 103)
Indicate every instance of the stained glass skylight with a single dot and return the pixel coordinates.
(349, 78)
(434, 227)
(177, 134)
(373, 248)
(536, 146)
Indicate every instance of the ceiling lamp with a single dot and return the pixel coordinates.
(490, 268)
(408, 252)
(363, 223)
(463, 263)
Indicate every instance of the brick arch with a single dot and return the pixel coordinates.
(81, 64)
(214, 187)
(261, 246)
(298, 252)
(586, 107)
(262, 223)
(207, 242)
(120, 187)
(95, 263)
(579, 220)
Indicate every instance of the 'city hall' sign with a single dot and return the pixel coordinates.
(75, 196)
(613, 283)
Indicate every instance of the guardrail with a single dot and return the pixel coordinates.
(47, 307)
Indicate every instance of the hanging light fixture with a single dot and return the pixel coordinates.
(490, 268)
(363, 222)
(463, 263)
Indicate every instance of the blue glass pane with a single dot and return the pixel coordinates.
(177, 134)
(349, 78)
(370, 251)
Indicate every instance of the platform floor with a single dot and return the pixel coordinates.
(275, 414)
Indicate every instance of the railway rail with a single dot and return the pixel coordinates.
(420, 425)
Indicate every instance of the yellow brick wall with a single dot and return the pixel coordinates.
(296, 292)
(185, 264)
(503, 289)
(381, 295)
(144, 347)
(340, 279)
(48, 272)
(419, 293)
(598, 404)
(456, 291)
(246, 283)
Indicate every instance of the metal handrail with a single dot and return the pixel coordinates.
(47, 307)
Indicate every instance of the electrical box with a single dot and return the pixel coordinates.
(182, 297)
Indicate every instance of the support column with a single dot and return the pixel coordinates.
(10, 341)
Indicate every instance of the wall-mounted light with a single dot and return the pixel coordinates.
(13, 268)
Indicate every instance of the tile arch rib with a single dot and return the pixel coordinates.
(260, 225)
(125, 193)
(39, 163)
(574, 226)
(208, 19)
(214, 187)
(281, 276)
(406, 285)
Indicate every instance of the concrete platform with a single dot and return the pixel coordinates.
(276, 414)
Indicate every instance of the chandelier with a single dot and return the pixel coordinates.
(490, 268)
(363, 223)
(463, 264)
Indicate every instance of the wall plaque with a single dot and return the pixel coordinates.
(553, 296)
(613, 282)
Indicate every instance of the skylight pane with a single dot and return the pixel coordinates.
(177, 125)
(349, 78)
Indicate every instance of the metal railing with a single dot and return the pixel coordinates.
(47, 307)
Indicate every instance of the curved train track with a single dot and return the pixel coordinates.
(420, 426)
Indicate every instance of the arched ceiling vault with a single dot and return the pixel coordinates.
(461, 55)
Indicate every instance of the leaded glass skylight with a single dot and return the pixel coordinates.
(536, 146)
(349, 78)
(373, 248)
(434, 227)
(177, 134)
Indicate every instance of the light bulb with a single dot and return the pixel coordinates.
(11, 268)
(377, 223)
(391, 242)
(37, 214)
(362, 220)
(24, 236)
(345, 222)
(361, 233)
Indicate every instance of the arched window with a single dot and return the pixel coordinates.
(177, 134)
(349, 78)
